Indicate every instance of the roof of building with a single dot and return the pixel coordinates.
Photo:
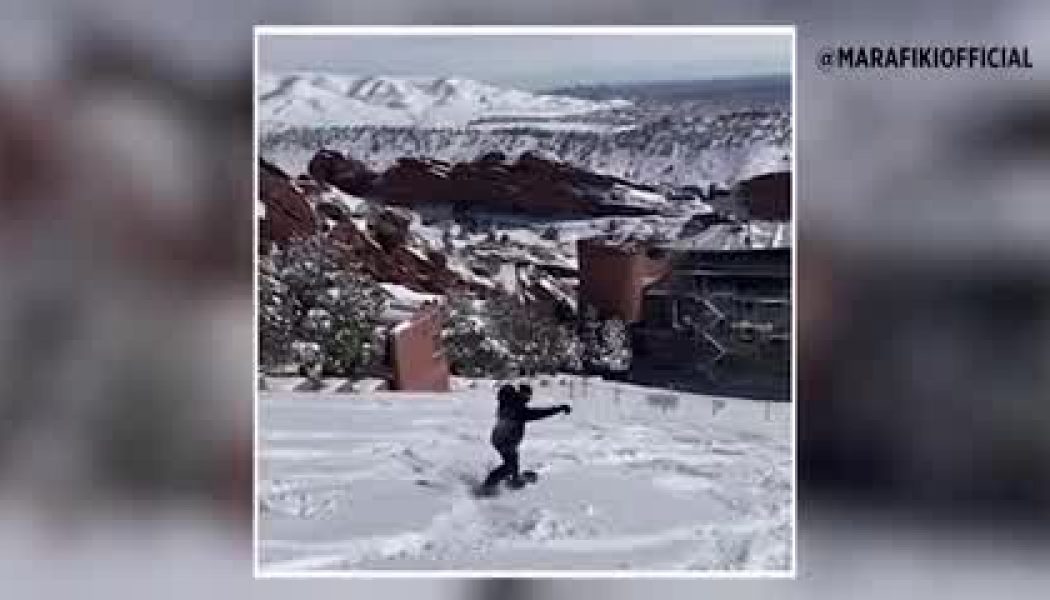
(738, 236)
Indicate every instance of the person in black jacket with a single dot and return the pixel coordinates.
(511, 415)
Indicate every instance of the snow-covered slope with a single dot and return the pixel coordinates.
(627, 481)
(317, 99)
(380, 119)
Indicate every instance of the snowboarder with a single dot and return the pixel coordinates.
(511, 415)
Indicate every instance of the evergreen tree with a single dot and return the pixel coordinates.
(604, 343)
(502, 337)
(616, 345)
(536, 342)
(308, 299)
(275, 316)
(469, 346)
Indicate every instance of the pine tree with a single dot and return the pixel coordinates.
(590, 337)
(604, 343)
(536, 342)
(470, 348)
(275, 316)
(502, 337)
(314, 310)
(616, 345)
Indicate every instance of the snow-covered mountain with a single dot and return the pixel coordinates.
(318, 99)
(709, 138)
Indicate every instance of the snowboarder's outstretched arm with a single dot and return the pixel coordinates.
(535, 414)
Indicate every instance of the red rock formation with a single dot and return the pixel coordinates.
(530, 185)
(288, 214)
(413, 181)
(332, 168)
(396, 263)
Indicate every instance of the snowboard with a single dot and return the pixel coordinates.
(527, 478)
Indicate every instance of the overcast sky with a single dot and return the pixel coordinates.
(533, 62)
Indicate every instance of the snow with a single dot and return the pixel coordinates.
(381, 480)
(525, 242)
(635, 197)
(570, 125)
(563, 296)
(401, 327)
(404, 302)
(723, 236)
(466, 274)
(762, 159)
(354, 205)
(404, 296)
(419, 254)
(507, 278)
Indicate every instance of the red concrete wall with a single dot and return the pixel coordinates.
(768, 197)
(613, 278)
(417, 357)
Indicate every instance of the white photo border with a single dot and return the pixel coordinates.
(527, 30)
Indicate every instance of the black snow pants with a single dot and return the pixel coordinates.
(507, 435)
(509, 468)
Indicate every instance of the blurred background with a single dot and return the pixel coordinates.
(126, 308)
